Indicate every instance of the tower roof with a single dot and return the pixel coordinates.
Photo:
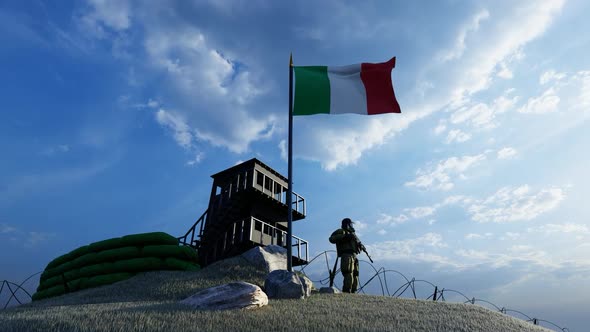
(246, 165)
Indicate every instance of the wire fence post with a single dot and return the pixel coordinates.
(434, 295)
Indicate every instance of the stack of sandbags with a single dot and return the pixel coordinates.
(112, 260)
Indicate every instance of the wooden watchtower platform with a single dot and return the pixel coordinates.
(247, 208)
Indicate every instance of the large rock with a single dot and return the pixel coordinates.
(235, 295)
(269, 258)
(282, 284)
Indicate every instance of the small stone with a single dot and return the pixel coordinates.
(329, 290)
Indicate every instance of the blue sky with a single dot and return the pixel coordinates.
(115, 114)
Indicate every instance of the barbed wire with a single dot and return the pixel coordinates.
(436, 295)
(380, 274)
(14, 292)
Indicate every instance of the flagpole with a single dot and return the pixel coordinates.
(290, 176)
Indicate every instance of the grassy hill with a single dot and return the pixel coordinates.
(149, 302)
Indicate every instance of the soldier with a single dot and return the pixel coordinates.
(347, 246)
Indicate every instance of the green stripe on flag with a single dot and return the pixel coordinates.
(312, 90)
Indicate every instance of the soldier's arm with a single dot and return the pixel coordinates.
(337, 236)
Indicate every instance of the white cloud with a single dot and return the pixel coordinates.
(439, 177)
(36, 238)
(53, 150)
(386, 219)
(198, 68)
(510, 236)
(460, 45)
(504, 103)
(515, 204)
(504, 72)
(506, 153)
(475, 236)
(197, 159)
(410, 249)
(5, 229)
(360, 226)
(583, 80)
(208, 87)
(338, 141)
(481, 115)
(458, 136)
(26, 239)
(420, 212)
(153, 104)
(579, 229)
(545, 103)
(106, 14)
(382, 232)
(178, 125)
(472, 236)
(504, 37)
(284, 149)
(497, 260)
(440, 128)
(550, 75)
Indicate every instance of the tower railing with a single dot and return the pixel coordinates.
(278, 191)
(266, 234)
(192, 232)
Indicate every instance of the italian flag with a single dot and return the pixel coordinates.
(364, 88)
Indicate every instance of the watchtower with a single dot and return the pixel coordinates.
(247, 208)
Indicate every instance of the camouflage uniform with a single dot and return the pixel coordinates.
(347, 248)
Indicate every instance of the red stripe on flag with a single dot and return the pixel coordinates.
(377, 80)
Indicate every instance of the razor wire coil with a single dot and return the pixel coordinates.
(436, 295)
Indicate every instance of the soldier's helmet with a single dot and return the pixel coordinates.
(346, 222)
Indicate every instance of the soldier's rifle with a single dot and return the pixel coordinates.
(362, 247)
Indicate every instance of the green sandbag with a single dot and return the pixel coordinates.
(58, 261)
(181, 252)
(178, 264)
(83, 283)
(92, 270)
(53, 281)
(118, 254)
(107, 279)
(88, 259)
(106, 244)
(38, 295)
(44, 275)
(59, 270)
(108, 268)
(79, 252)
(149, 239)
(50, 292)
(74, 285)
(139, 264)
(73, 274)
(190, 254)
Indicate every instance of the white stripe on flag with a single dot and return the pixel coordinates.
(347, 92)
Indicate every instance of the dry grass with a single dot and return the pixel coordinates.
(148, 302)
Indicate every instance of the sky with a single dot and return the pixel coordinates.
(114, 114)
